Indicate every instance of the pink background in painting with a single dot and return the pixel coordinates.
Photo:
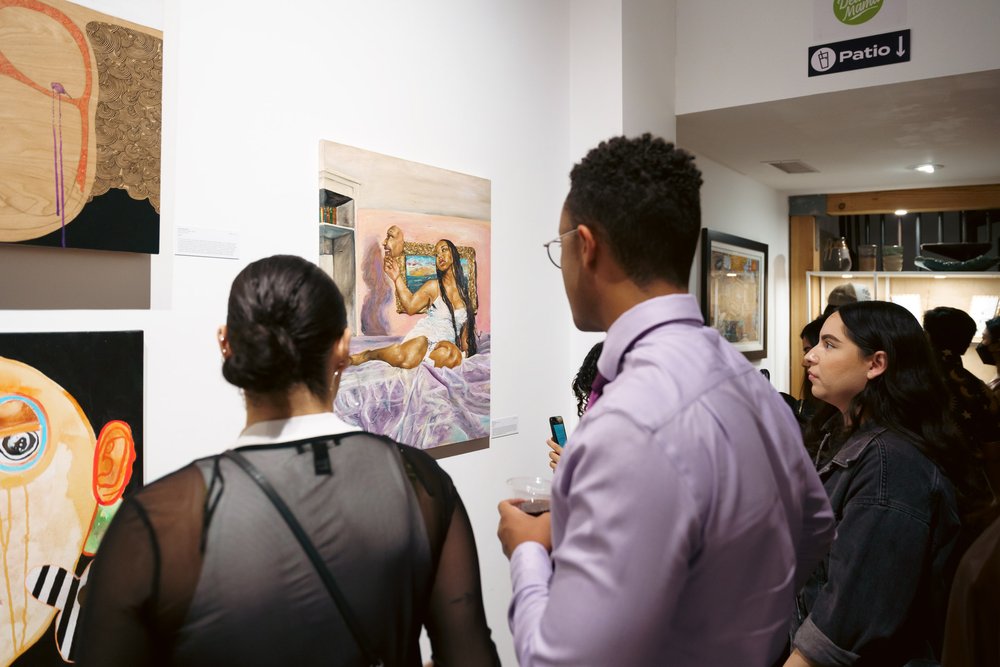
(370, 227)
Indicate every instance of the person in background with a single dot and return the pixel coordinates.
(685, 508)
(989, 350)
(805, 407)
(989, 353)
(974, 407)
(582, 383)
(199, 568)
(846, 293)
(898, 476)
(970, 634)
(810, 335)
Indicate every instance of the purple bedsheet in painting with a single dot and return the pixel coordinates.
(424, 406)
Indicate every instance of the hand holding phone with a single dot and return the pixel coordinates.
(558, 440)
(558, 429)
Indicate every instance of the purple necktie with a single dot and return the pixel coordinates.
(596, 389)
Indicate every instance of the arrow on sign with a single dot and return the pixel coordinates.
(900, 51)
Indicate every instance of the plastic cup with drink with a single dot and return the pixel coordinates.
(533, 493)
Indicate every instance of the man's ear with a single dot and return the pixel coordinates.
(879, 362)
(113, 459)
(588, 245)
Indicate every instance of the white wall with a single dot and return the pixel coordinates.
(474, 86)
(735, 53)
(514, 92)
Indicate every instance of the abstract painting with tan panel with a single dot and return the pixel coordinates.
(409, 246)
(80, 112)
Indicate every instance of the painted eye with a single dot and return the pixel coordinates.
(23, 433)
(20, 446)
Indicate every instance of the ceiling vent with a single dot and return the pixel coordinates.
(793, 166)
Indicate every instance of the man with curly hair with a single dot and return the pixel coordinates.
(685, 510)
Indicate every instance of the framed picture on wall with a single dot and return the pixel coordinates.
(389, 230)
(734, 290)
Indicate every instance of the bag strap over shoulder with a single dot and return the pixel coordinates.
(300, 534)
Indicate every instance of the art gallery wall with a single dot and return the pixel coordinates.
(513, 92)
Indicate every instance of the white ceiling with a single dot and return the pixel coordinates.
(861, 139)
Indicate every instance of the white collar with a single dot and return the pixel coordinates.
(293, 428)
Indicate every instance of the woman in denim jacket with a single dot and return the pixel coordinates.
(891, 460)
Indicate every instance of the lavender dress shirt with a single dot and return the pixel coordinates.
(685, 513)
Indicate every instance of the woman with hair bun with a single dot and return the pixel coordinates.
(202, 568)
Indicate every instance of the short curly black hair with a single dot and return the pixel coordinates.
(642, 196)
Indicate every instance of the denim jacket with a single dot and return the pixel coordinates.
(879, 596)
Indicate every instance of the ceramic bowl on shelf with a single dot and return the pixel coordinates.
(957, 251)
(980, 263)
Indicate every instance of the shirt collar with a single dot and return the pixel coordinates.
(856, 445)
(293, 428)
(634, 322)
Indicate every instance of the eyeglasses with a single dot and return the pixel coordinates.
(554, 248)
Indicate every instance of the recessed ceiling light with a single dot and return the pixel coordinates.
(900, 211)
(927, 168)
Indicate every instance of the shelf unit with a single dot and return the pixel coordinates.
(956, 289)
(975, 292)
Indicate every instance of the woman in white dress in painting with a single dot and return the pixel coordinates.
(447, 334)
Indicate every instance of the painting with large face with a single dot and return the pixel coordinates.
(70, 440)
(409, 246)
(80, 111)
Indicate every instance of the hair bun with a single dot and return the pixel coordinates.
(264, 360)
(285, 314)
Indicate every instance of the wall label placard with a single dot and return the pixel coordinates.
(872, 51)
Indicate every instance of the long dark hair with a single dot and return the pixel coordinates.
(463, 288)
(907, 396)
(284, 316)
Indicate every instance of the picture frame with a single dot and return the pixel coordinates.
(418, 267)
(734, 290)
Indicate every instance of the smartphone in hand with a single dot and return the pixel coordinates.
(558, 430)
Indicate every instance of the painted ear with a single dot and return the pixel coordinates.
(879, 362)
(113, 459)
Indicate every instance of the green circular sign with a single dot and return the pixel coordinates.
(856, 12)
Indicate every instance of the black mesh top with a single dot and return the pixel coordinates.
(198, 568)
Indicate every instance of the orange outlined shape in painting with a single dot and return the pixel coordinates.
(35, 198)
(82, 101)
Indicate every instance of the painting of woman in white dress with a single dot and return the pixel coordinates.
(447, 334)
